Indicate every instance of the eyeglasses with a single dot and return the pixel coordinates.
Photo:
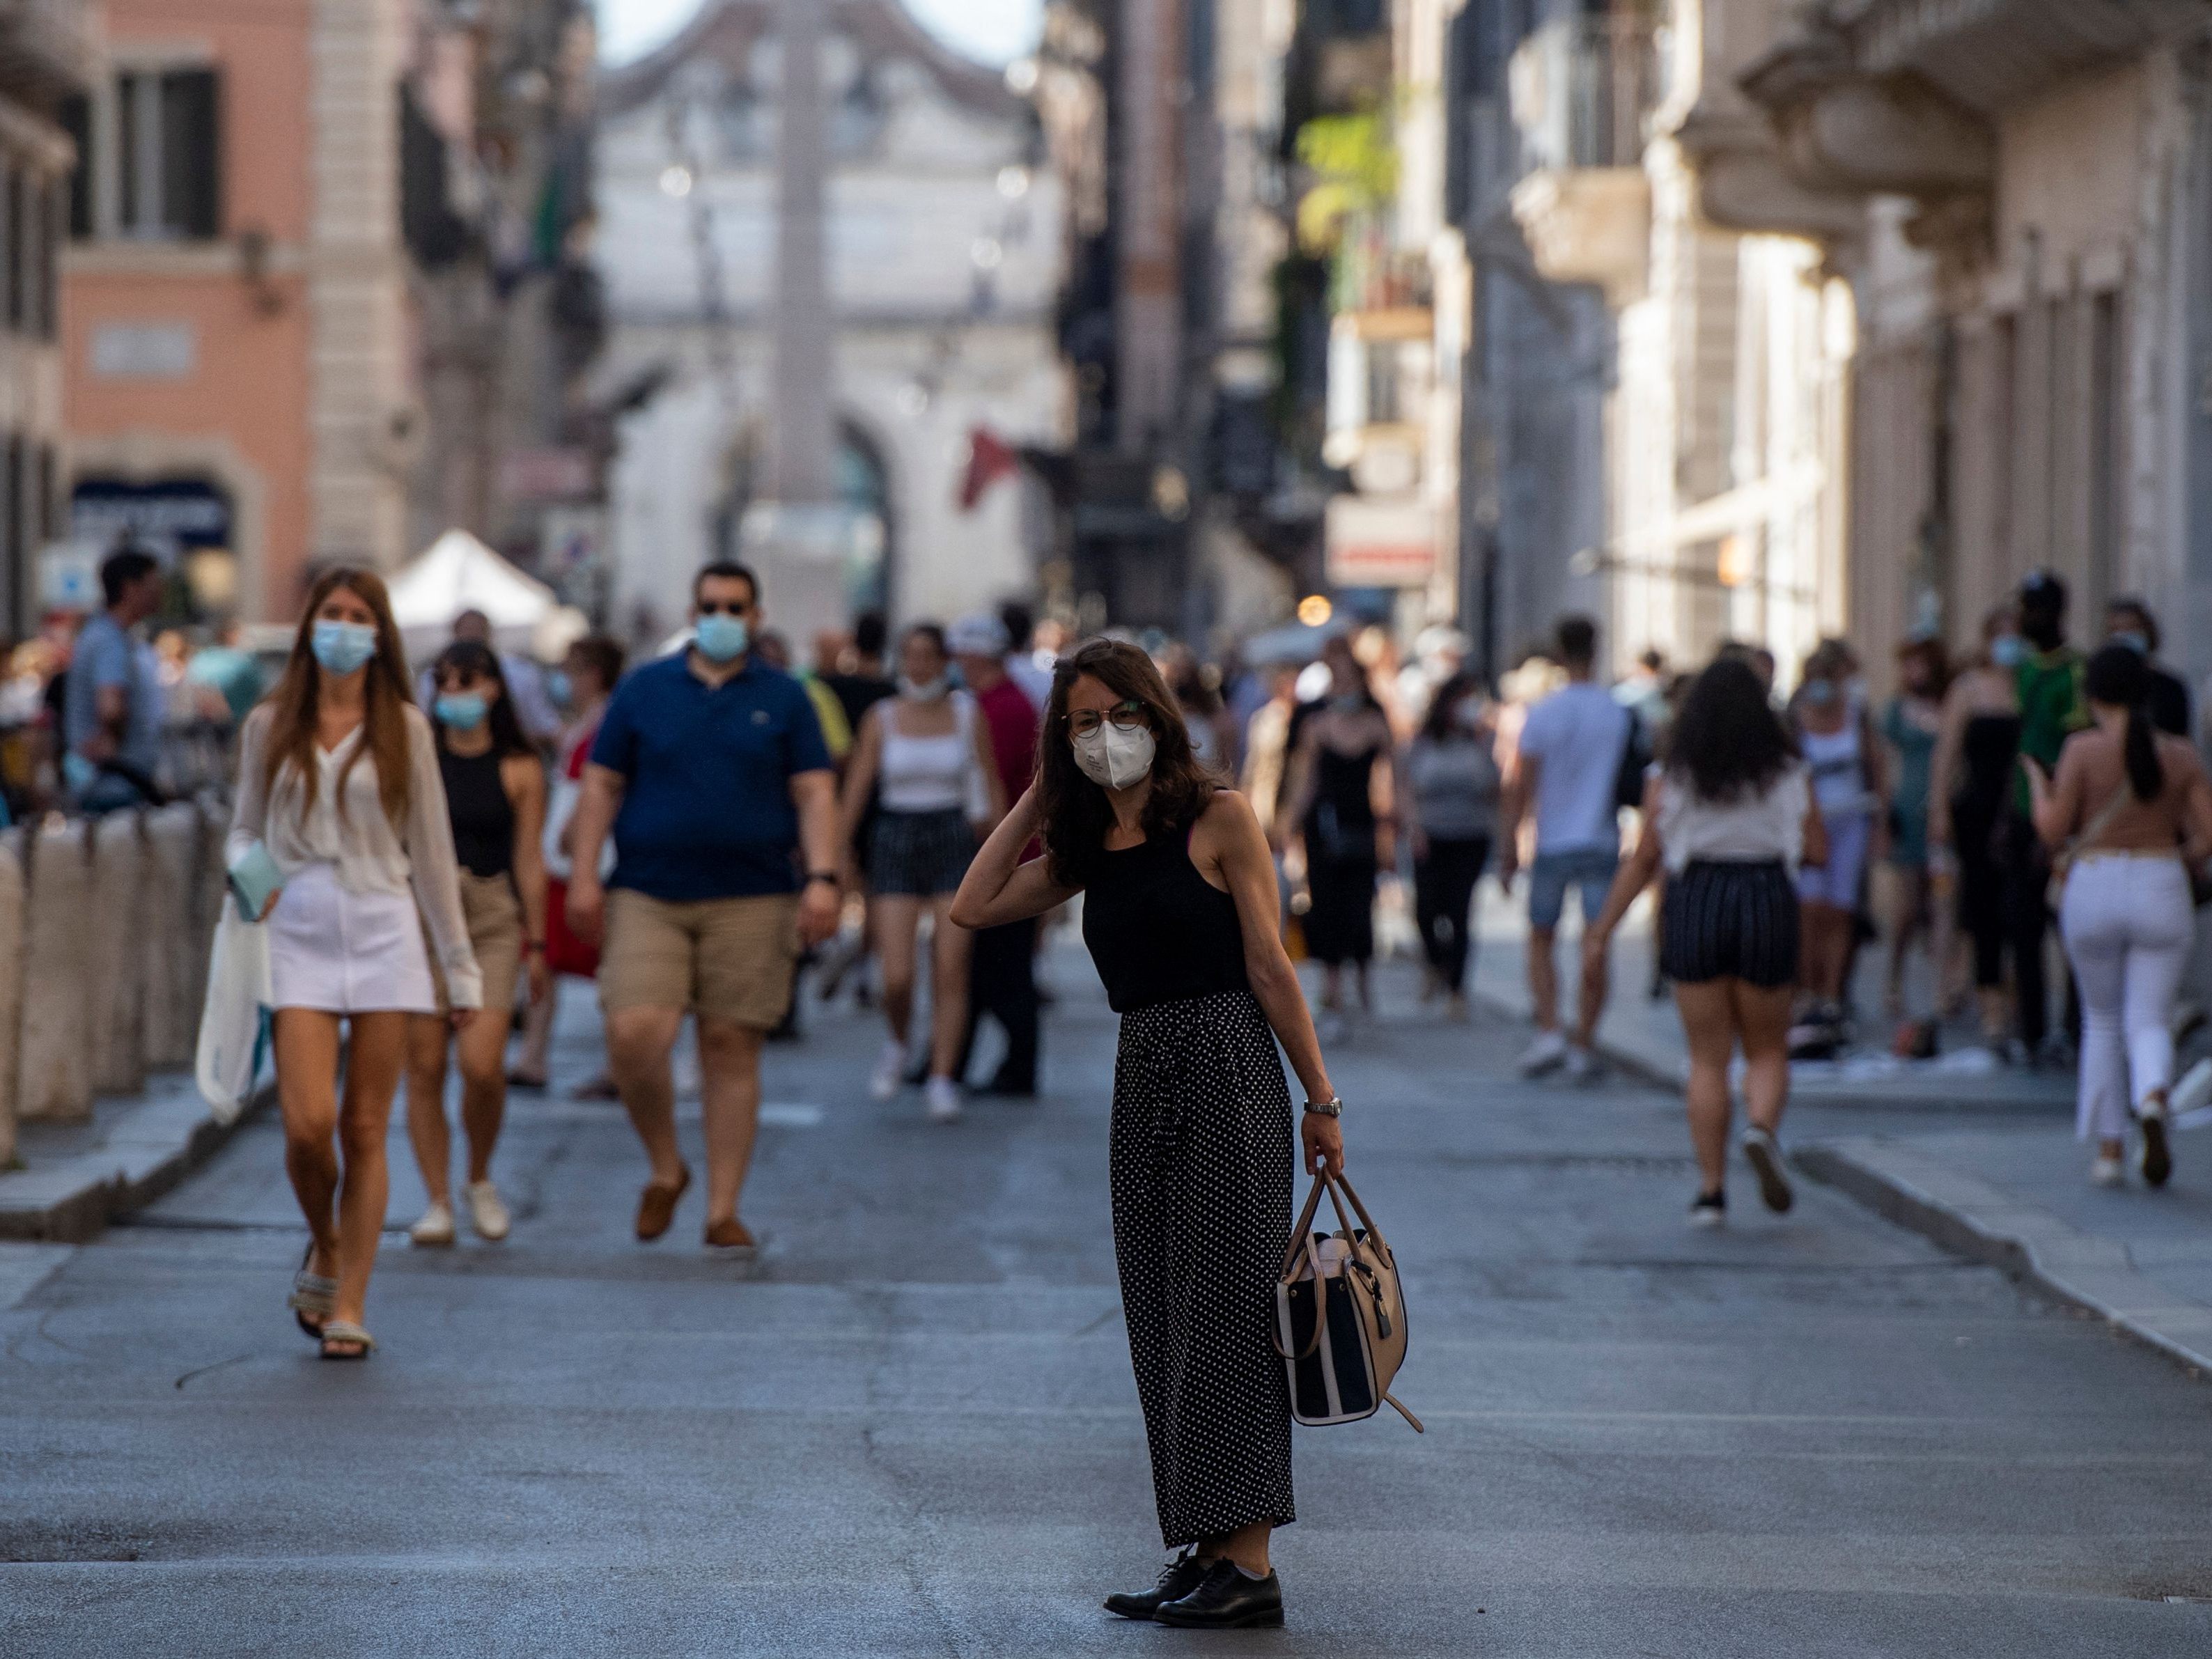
(1125, 716)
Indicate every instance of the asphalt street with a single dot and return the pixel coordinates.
(910, 1428)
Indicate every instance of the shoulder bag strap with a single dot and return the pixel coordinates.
(2095, 827)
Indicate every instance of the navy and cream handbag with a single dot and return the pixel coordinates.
(1341, 1314)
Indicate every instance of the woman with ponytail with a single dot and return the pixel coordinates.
(2130, 810)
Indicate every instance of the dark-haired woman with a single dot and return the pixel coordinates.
(1180, 915)
(1732, 817)
(339, 793)
(1451, 771)
(495, 798)
(1346, 843)
(2130, 805)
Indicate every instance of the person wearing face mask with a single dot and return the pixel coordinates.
(1180, 915)
(1332, 806)
(1451, 768)
(925, 758)
(2052, 707)
(2128, 622)
(1969, 795)
(496, 799)
(341, 809)
(710, 770)
(1850, 780)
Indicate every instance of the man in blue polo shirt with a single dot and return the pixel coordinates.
(710, 770)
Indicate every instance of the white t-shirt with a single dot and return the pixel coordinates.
(1752, 828)
(1578, 733)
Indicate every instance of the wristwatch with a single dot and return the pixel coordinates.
(1333, 1107)
(829, 875)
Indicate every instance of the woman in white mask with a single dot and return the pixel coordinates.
(1180, 915)
(926, 757)
(339, 834)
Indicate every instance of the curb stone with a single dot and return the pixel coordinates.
(147, 1150)
(1972, 1218)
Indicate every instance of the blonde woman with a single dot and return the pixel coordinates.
(340, 801)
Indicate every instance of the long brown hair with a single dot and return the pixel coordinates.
(1075, 811)
(292, 732)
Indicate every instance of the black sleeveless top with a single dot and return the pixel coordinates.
(484, 817)
(1158, 931)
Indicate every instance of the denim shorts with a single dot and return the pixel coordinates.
(1588, 870)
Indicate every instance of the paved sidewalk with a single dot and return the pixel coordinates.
(75, 1178)
(1980, 1158)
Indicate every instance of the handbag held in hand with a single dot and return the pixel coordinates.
(1341, 1314)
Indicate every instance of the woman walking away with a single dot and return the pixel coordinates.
(1332, 804)
(1451, 768)
(1836, 737)
(2132, 810)
(1969, 797)
(925, 758)
(1181, 919)
(496, 799)
(339, 796)
(594, 665)
(1731, 817)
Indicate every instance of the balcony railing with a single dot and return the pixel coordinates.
(1581, 91)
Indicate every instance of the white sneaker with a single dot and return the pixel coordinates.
(2108, 1172)
(944, 1095)
(1546, 1054)
(1582, 1066)
(486, 1213)
(890, 1071)
(436, 1227)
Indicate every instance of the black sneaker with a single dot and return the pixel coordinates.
(1765, 1157)
(1226, 1599)
(2157, 1149)
(1709, 1211)
(1178, 1578)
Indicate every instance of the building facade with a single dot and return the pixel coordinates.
(49, 55)
(943, 268)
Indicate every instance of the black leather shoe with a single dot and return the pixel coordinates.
(1226, 1601)
(1179, 1577)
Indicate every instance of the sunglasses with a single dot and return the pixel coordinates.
(1125, 716)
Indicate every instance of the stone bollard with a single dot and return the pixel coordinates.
(169, 934)
(11, 982)
(54, 1069)
(123, 942)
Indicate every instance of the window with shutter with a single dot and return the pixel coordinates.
(192, 157)
(76, 121)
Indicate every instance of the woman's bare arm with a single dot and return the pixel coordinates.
(979, 737)
(1635, 875)
(860, 774)
(999, 888)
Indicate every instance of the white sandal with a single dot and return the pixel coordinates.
(344, 1330)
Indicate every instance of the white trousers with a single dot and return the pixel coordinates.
(2128, 925)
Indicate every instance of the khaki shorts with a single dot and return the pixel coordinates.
(727, 959)
(494, 915)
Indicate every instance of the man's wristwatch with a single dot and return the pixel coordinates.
(1333, 1107)
(829, 875)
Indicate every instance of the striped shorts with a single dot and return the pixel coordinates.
(1730, 921)
(919, 855)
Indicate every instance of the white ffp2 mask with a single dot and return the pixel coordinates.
(1113, 758)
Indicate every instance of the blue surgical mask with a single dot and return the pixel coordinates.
(924, 690)
(342, 647)
(464, 711)
(721, 637)
(2007, 651)
(560, 688)
(2138, 643)
(1819, 692)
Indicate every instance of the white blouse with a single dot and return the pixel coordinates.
(1752, 828)
(369, 852)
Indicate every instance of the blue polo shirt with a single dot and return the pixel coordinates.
(707, 811)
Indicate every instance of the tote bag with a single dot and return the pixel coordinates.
(1341, 1314)
(234, 1020)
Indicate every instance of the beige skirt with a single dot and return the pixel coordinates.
(493, 913)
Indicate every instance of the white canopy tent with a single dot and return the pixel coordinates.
(457, 573)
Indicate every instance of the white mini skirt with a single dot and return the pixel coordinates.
(347, 953)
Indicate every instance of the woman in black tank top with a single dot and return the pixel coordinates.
(494, 790)
(1181, 915)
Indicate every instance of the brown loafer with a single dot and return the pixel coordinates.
(656, 1205)
(730, 1235)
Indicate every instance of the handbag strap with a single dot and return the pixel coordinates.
(2097, 826)
(1341, 1190)
(1320, 1307)
(1300, 1231)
